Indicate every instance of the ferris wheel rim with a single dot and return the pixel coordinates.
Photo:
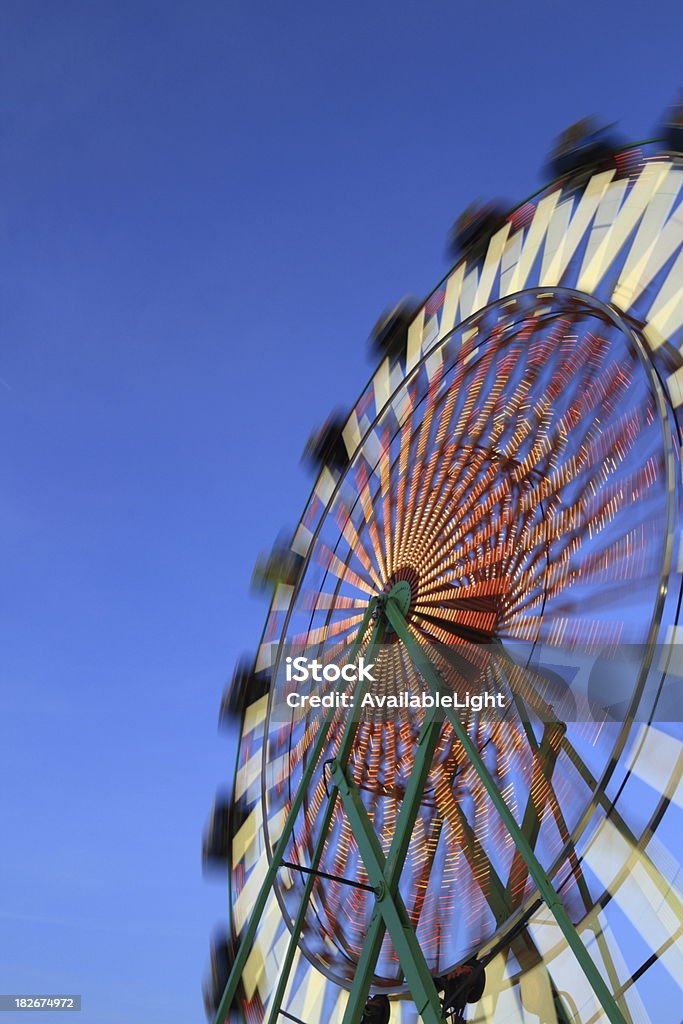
(614, 317)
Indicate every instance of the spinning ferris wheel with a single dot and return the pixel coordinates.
(501, 509)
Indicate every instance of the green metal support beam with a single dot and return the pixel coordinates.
(426, 745)
(345, 747)
(427, 670)
(411, 957)
(249, 935)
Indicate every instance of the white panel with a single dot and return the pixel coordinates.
(395, 377)
(433, 364)
(468, 294)
(430, 335)
(276, 823)
(509, 261)
(655, 243)
(302, 540)
(674, 383)
(657, 762)
(248, 773)
(491, 264)
(401, 405)
(264, 658)
(666, 313)
(595, 266)
(519, 272)
(605, 217)
(372, 450)
(563, 237)
(640, 891)
(337, 1015)
(325, 485)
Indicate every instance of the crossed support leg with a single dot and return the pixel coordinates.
(384, 873)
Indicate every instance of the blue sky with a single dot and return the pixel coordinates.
(204, 209)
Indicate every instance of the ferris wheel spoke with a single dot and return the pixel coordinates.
(418, 463)
(353, 539)
(317, 601)
(314, 637)
(333, 564)
(593, 457)
(368, 508)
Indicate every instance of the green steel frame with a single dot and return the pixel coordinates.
(384, 873)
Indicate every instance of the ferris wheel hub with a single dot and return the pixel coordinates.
(402, 595)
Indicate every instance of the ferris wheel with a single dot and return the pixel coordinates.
(500, 512)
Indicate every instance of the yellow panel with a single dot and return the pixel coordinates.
(532, 243)
(243, 839)
(414, 347)
(536, 993)
(255, 713)
(380, 384)
(450, 305)
(351, 434)
(246, 899)
(248, 774)
(311, 996)
(282, 598)
(253, 975)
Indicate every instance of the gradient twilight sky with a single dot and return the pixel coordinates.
(204, 209)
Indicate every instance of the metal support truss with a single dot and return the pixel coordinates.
(384, 872)
(247, 940)
(425, 667)
(389, 873)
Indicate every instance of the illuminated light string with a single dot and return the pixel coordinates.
(495, 548)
